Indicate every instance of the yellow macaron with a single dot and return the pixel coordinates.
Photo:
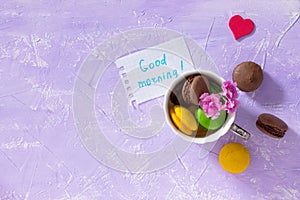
(183, 119)
(234, 158)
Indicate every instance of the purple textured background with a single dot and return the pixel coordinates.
(43, 44)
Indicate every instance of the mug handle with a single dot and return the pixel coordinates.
(240, 131)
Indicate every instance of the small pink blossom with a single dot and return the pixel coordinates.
(231, 105)
(211, 105)
(229, 90)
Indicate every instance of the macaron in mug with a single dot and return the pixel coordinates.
(187, 118)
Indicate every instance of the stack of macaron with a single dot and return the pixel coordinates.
(249, 76)
(234, 157)
(190, 119)
(184, 109)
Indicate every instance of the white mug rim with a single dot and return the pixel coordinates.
(200, 140)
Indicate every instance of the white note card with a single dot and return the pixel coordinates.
(148, 74)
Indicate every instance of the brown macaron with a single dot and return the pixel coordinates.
(248, 76)
(193, 88)
(271, 125)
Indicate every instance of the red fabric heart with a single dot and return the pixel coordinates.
(240, 27)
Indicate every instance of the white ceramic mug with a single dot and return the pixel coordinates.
(228, 124)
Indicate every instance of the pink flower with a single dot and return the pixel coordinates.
(231, 105)
(211, 105)
(229, 90)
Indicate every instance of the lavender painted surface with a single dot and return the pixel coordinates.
(44, 43)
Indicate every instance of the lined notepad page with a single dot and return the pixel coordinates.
(148, 74)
